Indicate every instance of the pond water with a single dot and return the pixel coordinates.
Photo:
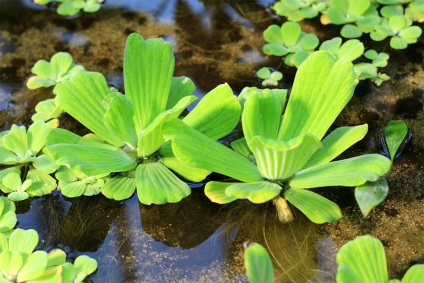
(194, 240)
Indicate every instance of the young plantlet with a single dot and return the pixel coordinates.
(287, 40)
(299, 9)
(21, 150)
(128, 129)
(270, 79)
(364, 260)
(73, 7)
(289, 156)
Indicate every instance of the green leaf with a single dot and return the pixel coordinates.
(85, 264)
(263, 73)
(74, 189)
(91, 160)
(258, 264)
(398, 43)
(16, 140)
(56, 257)
(358, 7)
(348, 172)
(188, 172)
(12, 181)
(414, 274)
(257, 192)
(156, 184)
(148, 68)
(398, 23)
(197, 150)
(279, 160)
(308, 42)
(351, 50)
(151, 138)
(23, 241)
(46, 110)
(336, 143)
(216, 114)
(41, 183)
(371, 194)
(118, 118)
(10, 263)
(394, 134)
(273, 35)
(332, 45)
(91, 88)
(261, 115)
(18, 196)
(240, 146)
(33, 267)
(68, 273)
(119, 188)
(50, 275)
(275, 49)
(290, 32)
(45, 163)
(180, 87)
(215, 191)
(6, 156)
(317, 208)
(365, 260)
(321, 89)
(410, 34)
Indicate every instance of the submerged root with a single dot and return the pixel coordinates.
(284, 212)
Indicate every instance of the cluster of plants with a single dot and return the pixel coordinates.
(72, 7)
(380, 19)
(142, 139)
(21, 262)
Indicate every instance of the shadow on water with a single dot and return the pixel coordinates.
(196, 241)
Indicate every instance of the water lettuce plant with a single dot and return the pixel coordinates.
(289, 156)
(378, 59)
(357, 16)
(287, 40)
(297, 10)
(20, 149)
(364, 260)
(258, 264)
(46, 74)
(270, 78)
(399, 29)
(73, 7)
(127, 139)
(20, 263)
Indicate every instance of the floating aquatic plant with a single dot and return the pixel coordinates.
(128, 129)
(270, 78)
(364, 260)
(21, 149)
(289, 156)
(258, 264)
(73, 7)
(378, 59)
(60, 69)
(298, 10)
(357, 16)
(287, 40)
(399, 29)
(349, 50)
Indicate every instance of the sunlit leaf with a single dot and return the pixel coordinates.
(321, 90)
(188, 172)
(336, 143)
(10, 262)
(148, 68)
(41, 183)
(91, 88)
(216, 114)
(256, 192)
(180, 87)
(16, 140)
(279, 160)
(156, 184)
(215, 191)
(317, 208)
(23, 241)
(414, 274)
(33, 267)
(118, 118)
(85, 264)
(365, 260)
(90, 159)
(119, 188)
(348, 172)
(197, 150)
(258, 264)
(56, 257)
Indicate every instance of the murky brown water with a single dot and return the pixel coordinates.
(195, 240)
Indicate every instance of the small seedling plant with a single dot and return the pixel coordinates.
(288, 151)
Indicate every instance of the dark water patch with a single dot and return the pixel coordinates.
(408, 108)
